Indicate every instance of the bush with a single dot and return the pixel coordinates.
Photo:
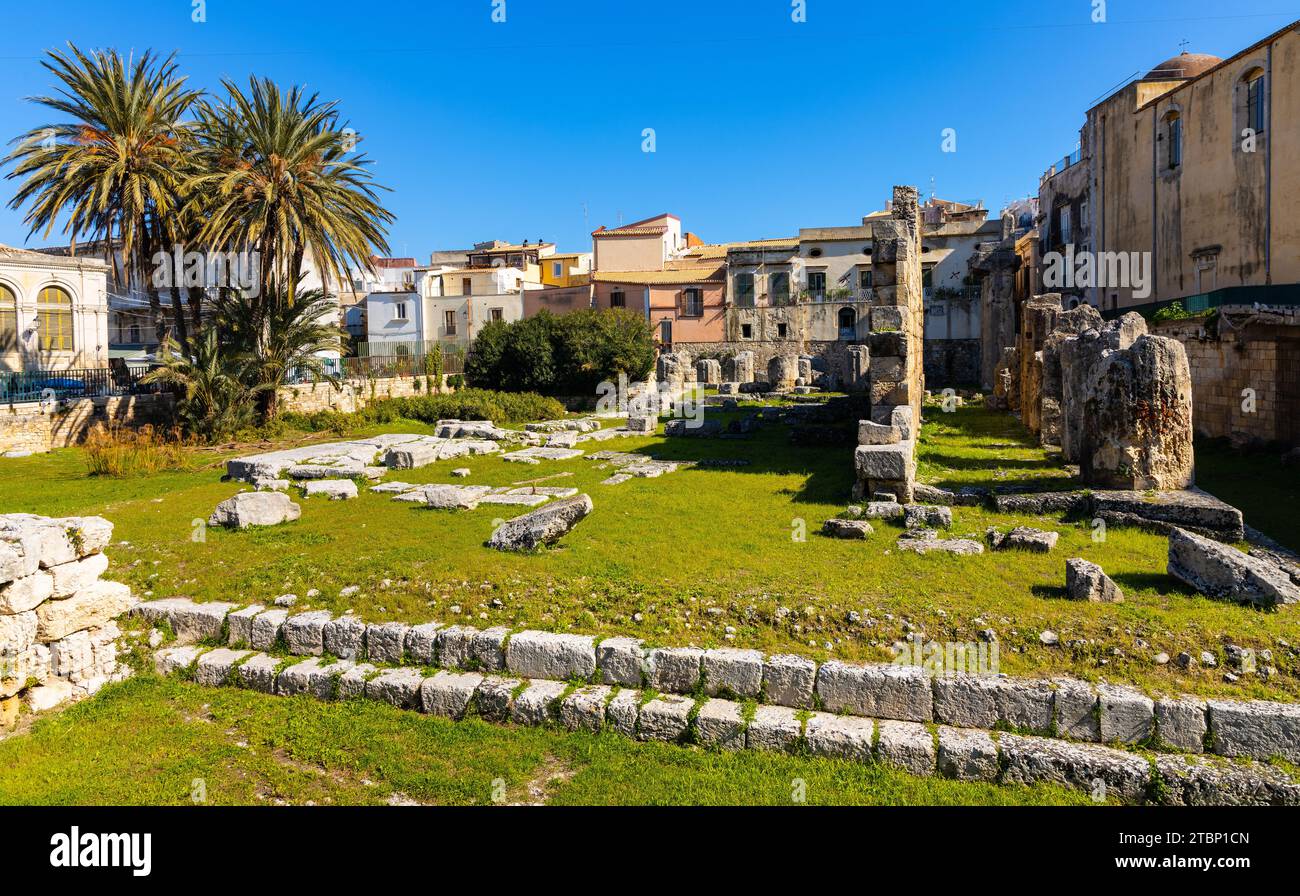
(566, 355)
(119, 451)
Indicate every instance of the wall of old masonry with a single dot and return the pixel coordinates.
(33, 428)
(890, 366)
(58, 640)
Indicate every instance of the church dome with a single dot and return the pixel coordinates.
(1184, 65)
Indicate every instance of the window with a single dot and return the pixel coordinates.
(779, 287)
(54, 319)
(1064, 232)
(1255, 101)
(848, 320)
(557, 269)
(466, 286)
(399, 311)
(815, 253)
(746, 331)
(817, 284)
(780, 331)
(1174, 135)
(666, 332)
(927, 276)
(693, 302)
(497, 314)
(745, 290)
(865, 279)
(449, 322)
(8, 320)
(617, 299)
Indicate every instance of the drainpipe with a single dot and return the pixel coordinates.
(1155, 211)
(1268, 171)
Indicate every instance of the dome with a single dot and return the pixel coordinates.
(1184, 65)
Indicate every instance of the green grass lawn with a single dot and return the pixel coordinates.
(694, 556)
(159, 741)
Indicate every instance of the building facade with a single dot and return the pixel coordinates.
(53, 312)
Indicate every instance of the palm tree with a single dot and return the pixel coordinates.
(282, 180)
(281, 336)
(116, 169)
(217, 399)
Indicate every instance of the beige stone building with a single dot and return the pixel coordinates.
(53, 312)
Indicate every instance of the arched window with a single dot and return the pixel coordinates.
(54, 319)
(848, 319)
(8, 320)
(1174, 140)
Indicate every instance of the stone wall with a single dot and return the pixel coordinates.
(952, 363)
(353, 395)
(1243, 350)
(57, 635)
(31, 428)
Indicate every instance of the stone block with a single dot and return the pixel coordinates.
(543, 526)
(449, 693)
(175, 659)
(719, 724)
(535, 705)
(621, 661)
(456, 646)
(675, 670)
(255, 509)
(1086, 767)
(774, 728)
(304, 633)
(967, 755)
(239, 625)
(1078, 715)
(533, 654)
(623, 711)
(396, 687)
(729, 671)
(264, 631)
(877, 434)
(1087, 581)
(978, 701)
(386, 642)
(1127, 716)
(488, 649)
(1181, 723)
(1221, 571)
(352, 684)
(314, 677)
(584, 709)
(29, 592)
(496, 697)
(842, 737)
(215, 666)
(665, 718)
(906, 745)
(885, 462)
(789, 680)
(69, 578)
(882, 691)
(345, 637)
(421, 643)
(258, 672)
(89, 608)
(1256, 729)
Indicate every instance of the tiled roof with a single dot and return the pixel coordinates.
(719, 250)
(632, 231)
(711, 274)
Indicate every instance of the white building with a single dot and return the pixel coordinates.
(53, 312)
(446, 304)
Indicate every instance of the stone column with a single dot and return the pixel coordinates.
(1038, 316)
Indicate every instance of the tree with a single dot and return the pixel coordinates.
(283, 180)
(116, 168)
(216, 399)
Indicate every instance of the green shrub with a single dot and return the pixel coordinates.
(566, 355)
(466, 404)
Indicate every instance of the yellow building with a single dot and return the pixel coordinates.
(566, 269)
(1188, 176)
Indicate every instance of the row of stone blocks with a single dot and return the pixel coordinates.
(959, 753)
(1066, 708)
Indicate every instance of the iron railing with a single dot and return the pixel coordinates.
(81, 382)
(376, 366)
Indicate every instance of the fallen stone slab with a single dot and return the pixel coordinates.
(1103, 771)
(449, 694)
(906, 745)
(255, 509)
(789, 680)
(584, 709)
(518, 500)
(720, 724)
(1089, 582)
(449, 497)
(1223, 572)
(880, 691)
(536, 704)
(849, 529)
(1038, 503)
(533, 654)
(967, 755)
(1022, 538)
(543, 526)
(927, 516)
(1257, 729)
(547, 490)
(733, 672)
(215, 667)
(393, 488)
(840, 737)
(959, 546)
(665, 718)
(537, 453)
(1163, 511)
(884, 510)
(334, 489)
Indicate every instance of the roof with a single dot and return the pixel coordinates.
(487, 250)
(378, 262)
(644, 227)
(710, 274)
(41, 259)
(568, 255)
(720, 250)
(1184, 65)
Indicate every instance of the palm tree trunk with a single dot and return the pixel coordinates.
(178, 319)
(155, 303)
(196, 296)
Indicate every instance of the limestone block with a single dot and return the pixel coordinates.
(488, 649)
(967, 755)
(304, 634)
(881, 691)
(92, 606)
(878, 434)
(842, 737)
(980, 701)
(546, 525)
(421, 643)
(621, 661)
(255, 509)
(584, 709)
(496, 696)
(774, 728)
(1181, 723)
(313, 677)
(1127, 716)
(1077, 710)
(334, 489)
(455, 645)
(258, 673)
(1221, 571)
(1257, 729)
(738, 673)
(264, 631)
(906, 745)
(622, 713)
(175, 659)
(449, 693)
(1088, 581)
(215, 666)
(397, 687)
(352, 683)
(1092, 769)
(719, 724)
(239, 625)
(386, 642)
(533, 654)
(665, 718)
(535, 705)
(789, 680)
(31, 591)
(345, 637)
(675, 670)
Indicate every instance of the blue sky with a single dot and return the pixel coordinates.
(532, 128)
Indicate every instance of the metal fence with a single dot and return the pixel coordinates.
(378, 367)
(84, 382)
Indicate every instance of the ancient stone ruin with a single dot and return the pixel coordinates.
(891, 365)
(58, 640)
